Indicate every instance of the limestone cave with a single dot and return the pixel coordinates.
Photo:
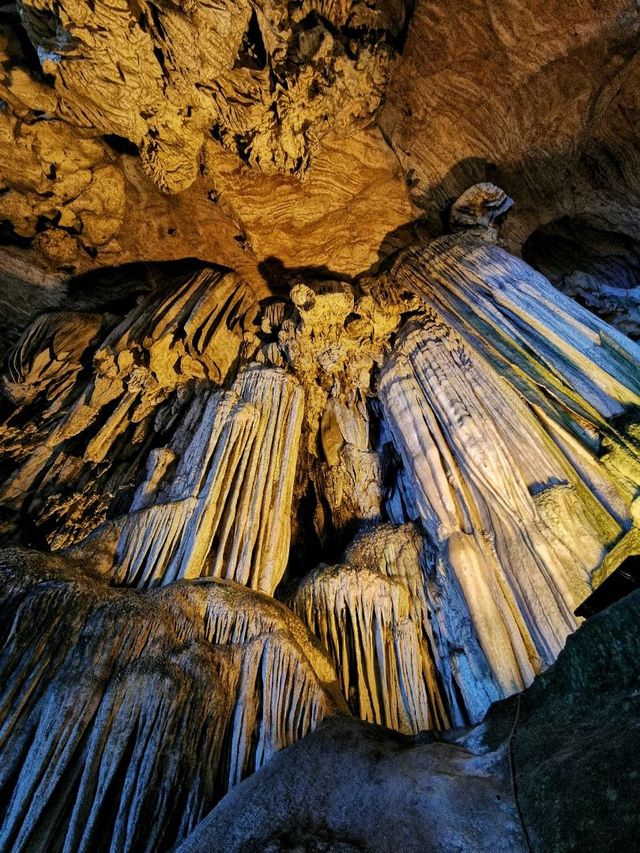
(320, 426)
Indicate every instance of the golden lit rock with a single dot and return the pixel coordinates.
(319, 395)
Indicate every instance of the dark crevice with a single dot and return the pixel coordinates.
(121, 145)
(624, 580)
(252, 54)
(9, 236)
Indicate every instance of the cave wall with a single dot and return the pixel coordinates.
(541, 100)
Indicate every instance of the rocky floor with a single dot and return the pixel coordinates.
(552, 769)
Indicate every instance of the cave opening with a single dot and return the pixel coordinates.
(598, 267)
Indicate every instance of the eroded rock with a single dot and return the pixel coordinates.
(210, 433)
(265, 80)
(127, 715)
(352, 786)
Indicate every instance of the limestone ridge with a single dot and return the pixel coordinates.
(430, 466)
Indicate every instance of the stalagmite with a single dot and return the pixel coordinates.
(371, 614)
(529, 777)
(570, 367)
(127, 715)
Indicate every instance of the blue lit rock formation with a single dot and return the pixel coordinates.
(126, 716)
(452, 443)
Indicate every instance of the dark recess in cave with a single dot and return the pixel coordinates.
(252, 53)
(623, 581)
(121, 145)
(601, 269)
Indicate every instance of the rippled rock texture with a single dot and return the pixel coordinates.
(111, 108)
(316, 133)
(265, 80)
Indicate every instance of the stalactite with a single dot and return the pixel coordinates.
(87, 449)
(223, 507)
(127, 715)
(495, 416)
(290, 429)
(179, 444)
(371, 614)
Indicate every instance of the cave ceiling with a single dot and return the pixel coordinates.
(305, 130)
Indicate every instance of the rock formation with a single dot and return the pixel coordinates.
(126, 716)
(522, 780)
(372, 614)
(319, 395)
(457, 395)
(515, 414)
(265, 80)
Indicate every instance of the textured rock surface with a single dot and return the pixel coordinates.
(564, 739)
(266, 80)
(229, 104)
(429, 453)
(230, 99)
(372, 614)
(457, 395)
(339, 217)
(352, 787)
(125, 716)
(538, 97)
